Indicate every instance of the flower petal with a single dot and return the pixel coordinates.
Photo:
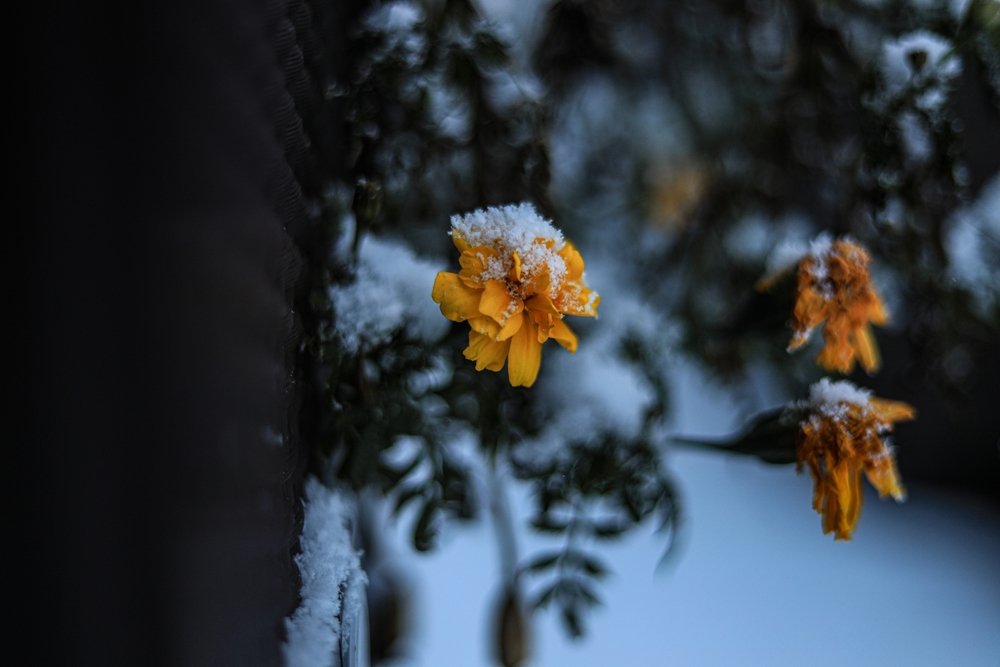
(525, 356)
(574, 261)
(486, 352)
(541, 303)
(512, 326)
(497, 302)
(460, 243)
(866, 348)
(892, 411)
(485, 325)
(458, 301)
(563, 335)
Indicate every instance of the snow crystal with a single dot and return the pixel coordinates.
(509, 229)
(830, 397)
(332, 594)
(973, 244)
(391, 292)
(917, 58)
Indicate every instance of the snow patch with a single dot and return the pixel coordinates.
(332, 580)
(831, 398)
(973, 244)
(391, 292)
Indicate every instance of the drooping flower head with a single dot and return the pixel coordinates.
(834, 286)
(841, 437)
(519, 278)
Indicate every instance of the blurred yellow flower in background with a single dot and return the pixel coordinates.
(841, 437)
(833, 286)
(518, 278)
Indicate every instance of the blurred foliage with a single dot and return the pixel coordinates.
(678, 128)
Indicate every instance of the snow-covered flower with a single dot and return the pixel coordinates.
(519, 278)
(841, 437)
(834, 286)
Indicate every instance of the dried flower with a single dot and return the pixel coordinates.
(841, 437)
(834, 286)
(518, 278)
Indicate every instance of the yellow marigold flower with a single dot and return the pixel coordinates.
(839, 439)
(518, 278)
(834, 286)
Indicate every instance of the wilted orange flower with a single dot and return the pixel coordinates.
(834, 286)
(840, 439)
(518, 278)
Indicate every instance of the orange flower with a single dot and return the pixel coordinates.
(834, 286)
(840, 439)
(518, 278)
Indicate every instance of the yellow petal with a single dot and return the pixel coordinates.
(458, 301)
(541, 303)
(574, 262)
(486, 352)
(525, 356)
(485, 325)
(515, 271)
(563, 335)
(497, 302)
(512, 326)
(460, 243)
(473, 261)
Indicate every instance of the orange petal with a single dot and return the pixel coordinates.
(541, 303)
(473, 261)
(485, 325)
(525, 356)
(893, 411)
(512, 326)
(878, 314)
(460, 243)
(498, 303)
(486, 352)
(574, 262)
(866, 348)
(563, 335)
(515, 271)
(458, 301)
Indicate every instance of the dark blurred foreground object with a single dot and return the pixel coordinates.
(158, 496)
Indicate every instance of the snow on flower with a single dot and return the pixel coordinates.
(841, 437)
(834, 287)
(519, 277)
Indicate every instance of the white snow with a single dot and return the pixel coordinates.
(918, 146)
(399, 23)
(332, 594)
(973, 244)
(901, 67)
(790, 252)
(830, 398)
(392, 291)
